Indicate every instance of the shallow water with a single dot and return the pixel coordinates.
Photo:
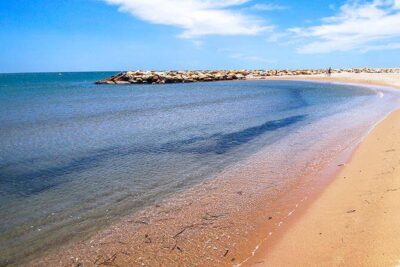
(75, 156)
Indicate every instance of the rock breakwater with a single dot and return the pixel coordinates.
(161, 77)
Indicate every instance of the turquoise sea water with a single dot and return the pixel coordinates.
(75, 156)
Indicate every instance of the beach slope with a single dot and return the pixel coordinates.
(356, 220)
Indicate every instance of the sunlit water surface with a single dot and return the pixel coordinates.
(75, 156)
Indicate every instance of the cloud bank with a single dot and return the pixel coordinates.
(195, 17)
(358, 25)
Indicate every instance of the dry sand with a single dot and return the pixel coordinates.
(356, 220)
(385, 79)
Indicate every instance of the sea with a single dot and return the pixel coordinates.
(76, 157)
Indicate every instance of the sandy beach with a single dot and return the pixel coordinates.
(385, 79)
(355, 220)
(200, 133)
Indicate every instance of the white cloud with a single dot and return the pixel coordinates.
(246, 57)
(195, 17)
(269, 7)
(197, 43)
(358, 25)
(276, 37)
(332, 6)
(382, 47)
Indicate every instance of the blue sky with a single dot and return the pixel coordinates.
(86, 35)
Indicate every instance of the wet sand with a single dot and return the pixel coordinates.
(231, 220)
(355, 221)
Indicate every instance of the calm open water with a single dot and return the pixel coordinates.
(75, 156)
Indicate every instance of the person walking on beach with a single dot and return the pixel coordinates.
(329, 72)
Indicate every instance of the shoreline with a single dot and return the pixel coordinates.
(240, 248)
(390, 80)
(332, 218)
(187, 76)
(213, 216)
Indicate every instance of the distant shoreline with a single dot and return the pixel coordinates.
(162, 77)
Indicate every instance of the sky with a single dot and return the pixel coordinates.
(115, 35)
